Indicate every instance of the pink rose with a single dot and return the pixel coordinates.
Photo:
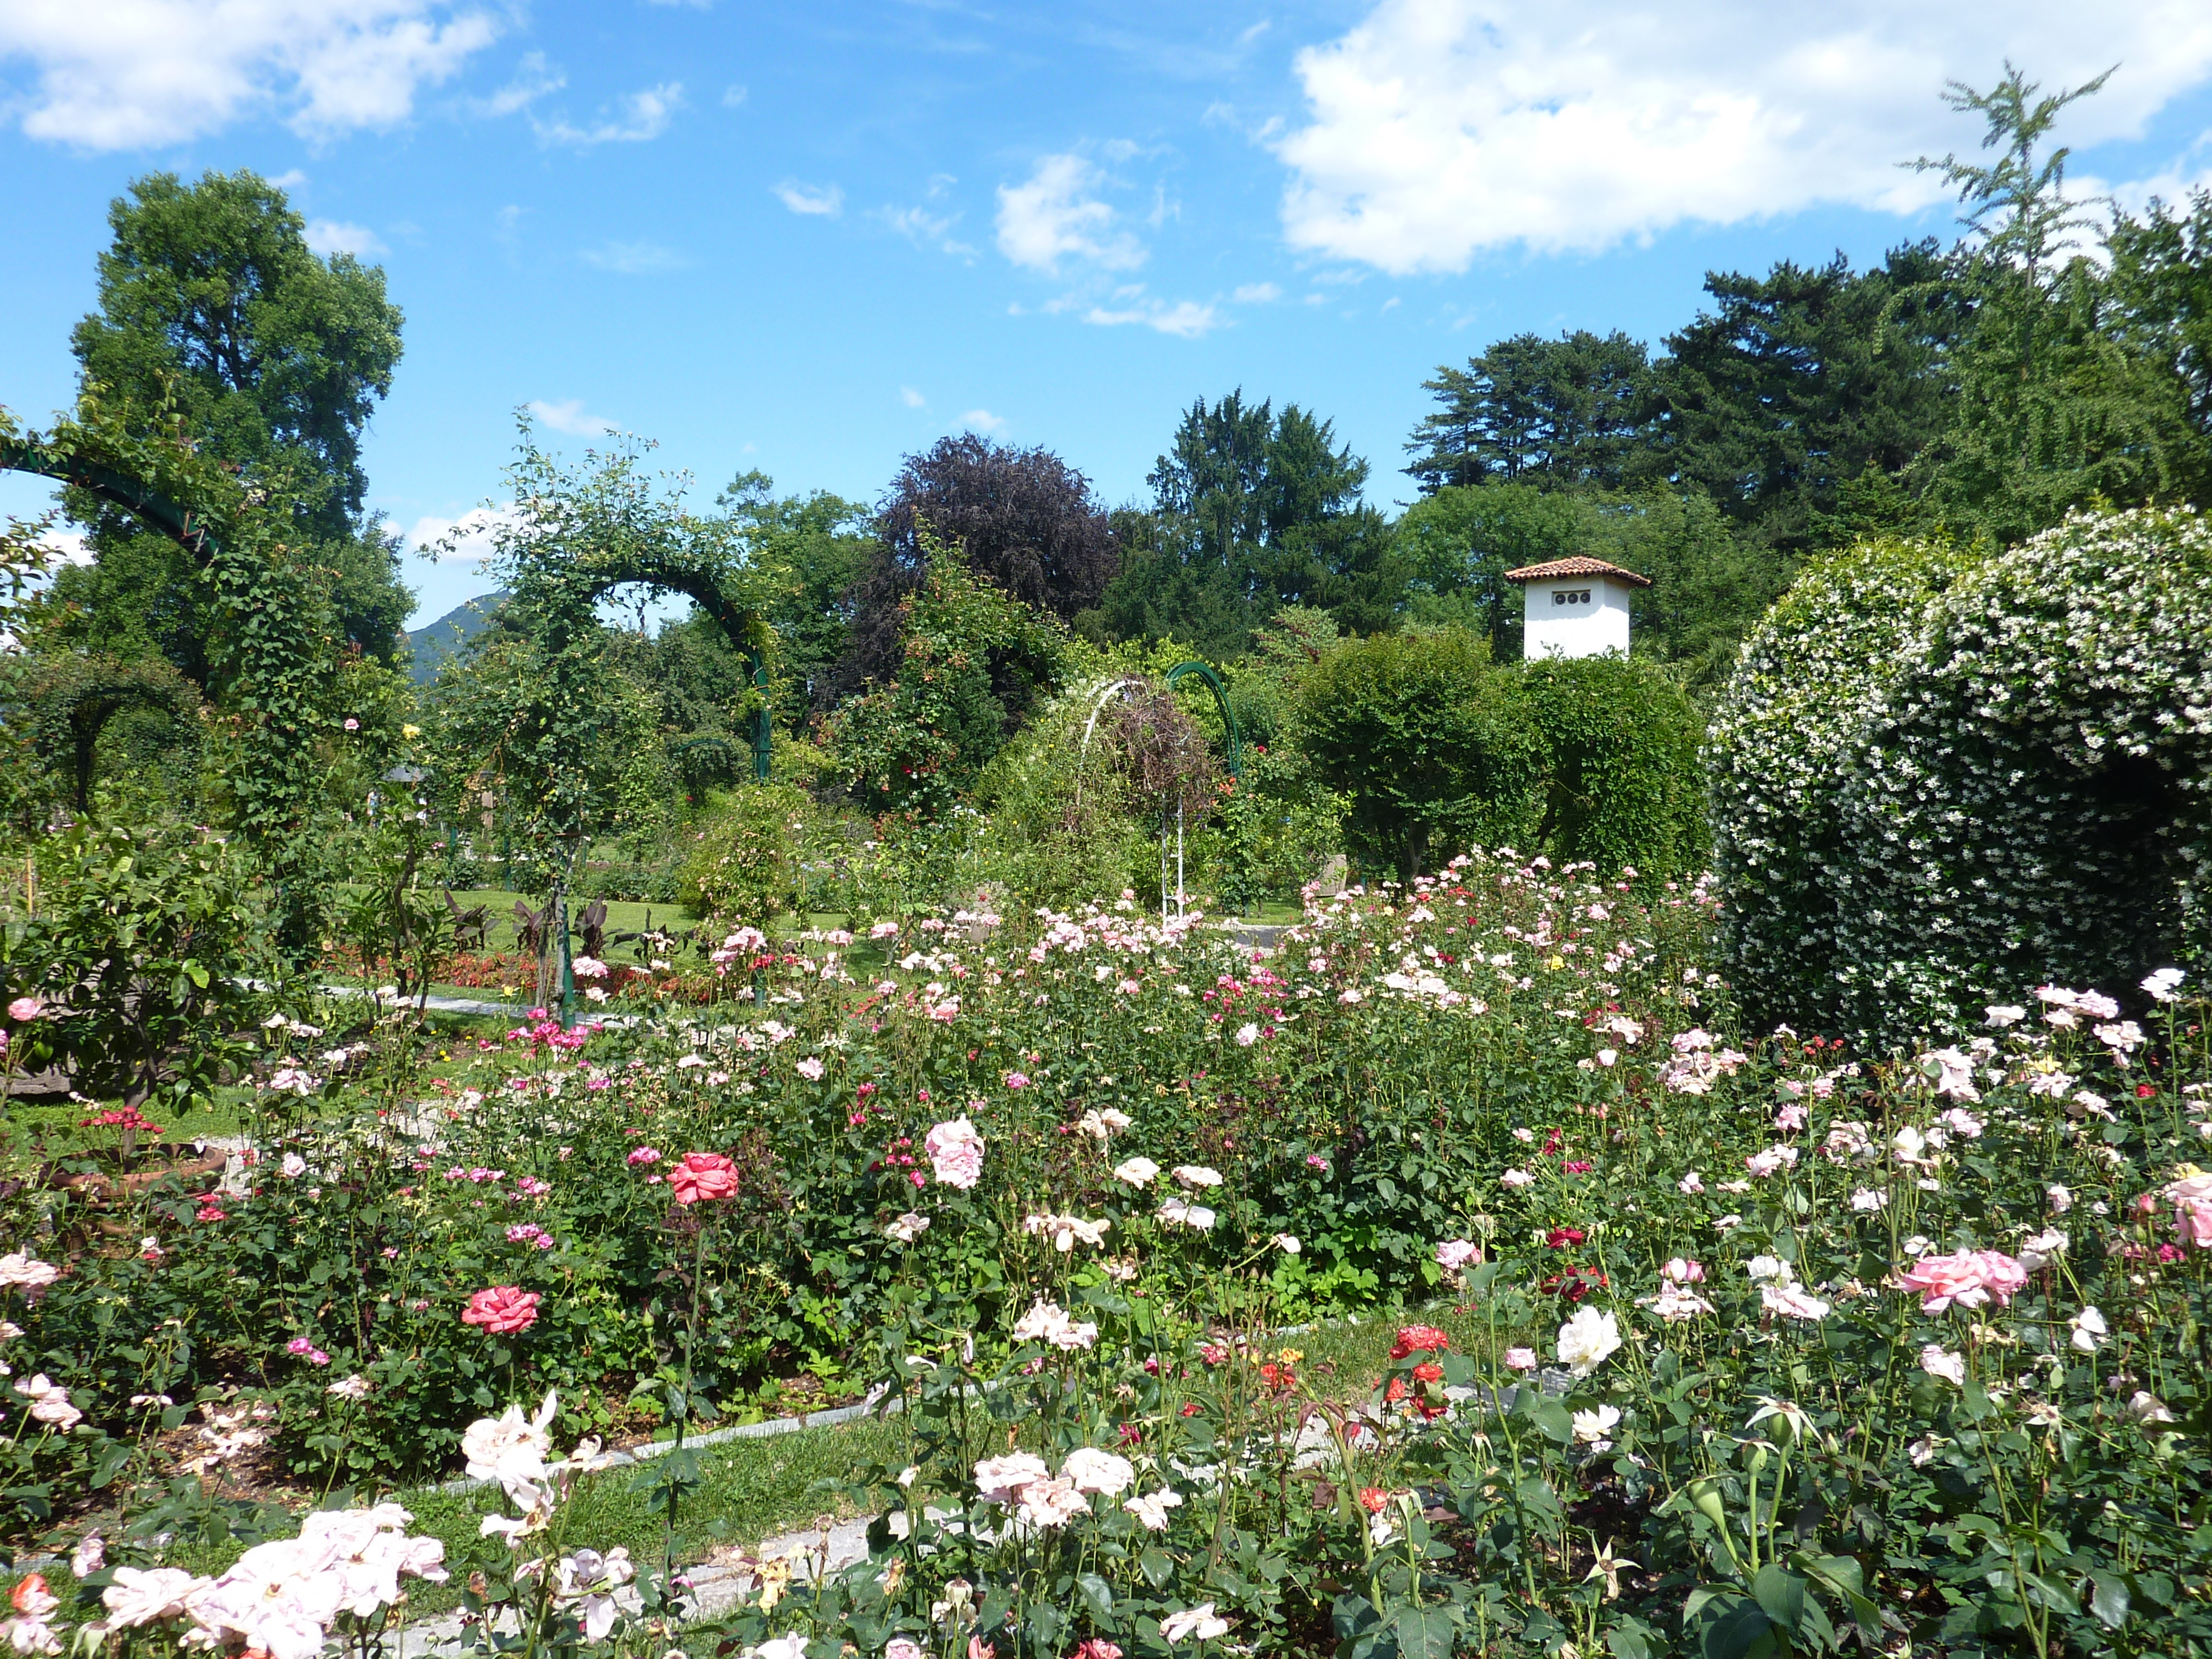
(956, 1152)
(503, 1310)
(1969, 1278)
(25, 1008)
(707, 1176)
(2191, 1198)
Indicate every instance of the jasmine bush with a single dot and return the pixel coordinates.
(1940, 773)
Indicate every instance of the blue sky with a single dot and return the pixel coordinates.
(809, 240)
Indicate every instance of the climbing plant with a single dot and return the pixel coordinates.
(533, 722)
(275, 646)
(71, 699)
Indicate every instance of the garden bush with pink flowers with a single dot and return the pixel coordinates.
(1784, 1348)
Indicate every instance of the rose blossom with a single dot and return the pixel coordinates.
(1969, 1278)
(956, 1152)
(2191, 1198)
(703, 1176)
(503, 1310)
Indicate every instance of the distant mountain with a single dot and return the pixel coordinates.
(435, 641)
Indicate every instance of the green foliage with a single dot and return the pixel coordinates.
(1438, 750)
(1424, 738)
(1709, 583)
(1254, 509)
(1553, 413)
(71, 699)
(1800, 381)
(391, 915)
(744, 866)
(274, 359)
(1939, 776)
(973, 663)
(541, 717)
(144, 950)
(1621, 786)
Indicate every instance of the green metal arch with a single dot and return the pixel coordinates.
(1205, 671)
(179, 524)
(740, 626)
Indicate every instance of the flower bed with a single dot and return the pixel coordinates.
(1781, 1342)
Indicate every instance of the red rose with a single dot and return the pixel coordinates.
(703, 1175)
(503, 1310)
(1412, 1337)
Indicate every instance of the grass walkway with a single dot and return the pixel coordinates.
(757, 1488)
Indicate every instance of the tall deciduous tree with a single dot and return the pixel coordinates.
(275, 358)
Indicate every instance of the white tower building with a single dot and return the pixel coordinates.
(1575, 607)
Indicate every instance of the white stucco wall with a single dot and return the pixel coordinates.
(1572, 626)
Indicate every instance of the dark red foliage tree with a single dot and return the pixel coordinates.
(1026, 520)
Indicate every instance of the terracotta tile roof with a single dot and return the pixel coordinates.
(1577, 566)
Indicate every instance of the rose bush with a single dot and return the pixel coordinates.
(1037, 1190)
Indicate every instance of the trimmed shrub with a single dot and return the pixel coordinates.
(1422, 736)
(1938, 775)
(1590, 761)
(1620, 786)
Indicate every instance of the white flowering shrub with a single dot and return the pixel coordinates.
(1939, 773)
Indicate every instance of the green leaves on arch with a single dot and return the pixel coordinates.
(72, 698)
(272, 653)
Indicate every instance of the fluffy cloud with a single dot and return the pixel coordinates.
(1256, 294)
(464, 540)
(1442, 128)
(982, 419)
(912, 398)
(1185, 318)
(640, 118)
(329, 236)
(823, 201)
(1056, 213)
(570, 417)
(131, 73)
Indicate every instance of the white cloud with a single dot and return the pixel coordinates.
(290, 179)
(643, 117)
(1256, 294)
(912, 398)
(532, 82)
(635, 258)
(1056, 213)
(982, 419)
(733, 95)
(1443, 128)
(924, 227)
(67, 546)
(464, 540)
(1185, 318)
(329, 236)
(820, 201)
(143, 72)
(570, 417)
